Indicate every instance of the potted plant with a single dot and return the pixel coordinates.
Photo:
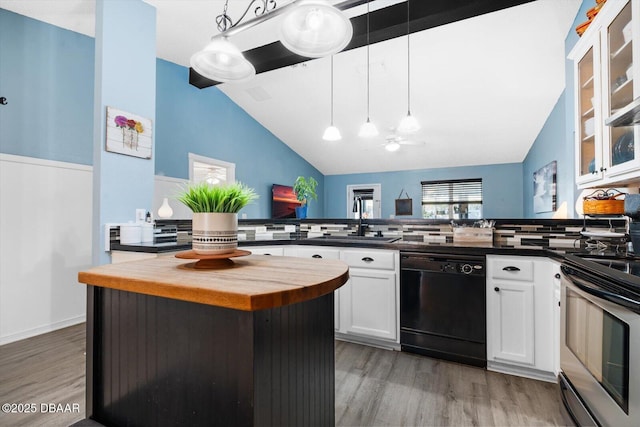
(215, 215)
(305, 190)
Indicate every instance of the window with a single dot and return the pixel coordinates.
(452, 199)
(210, 170)
(370, 196)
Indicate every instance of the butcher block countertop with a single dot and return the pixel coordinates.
(251, 283)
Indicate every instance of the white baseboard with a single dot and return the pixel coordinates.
(42, 329)
(535, 374)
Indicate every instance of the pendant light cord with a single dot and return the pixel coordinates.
(368, 62)
(408, 64)
(331, 90)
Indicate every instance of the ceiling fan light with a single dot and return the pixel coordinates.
(315, 29)
(331, 134)
(392, 146)
(222, 61)
(368, 130)
(409, 124)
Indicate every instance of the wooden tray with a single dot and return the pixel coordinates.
(208, 262)
(473, 235)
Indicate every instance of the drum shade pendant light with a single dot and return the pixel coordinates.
(408, 124)
(331, 133)
(368, 129)
(311, 28)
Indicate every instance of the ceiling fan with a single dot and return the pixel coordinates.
(393, 141)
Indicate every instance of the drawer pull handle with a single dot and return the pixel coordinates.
(266, 254)
(367, 259)
(316, 256)
(511, 268)
(497, 289)
(557, 276)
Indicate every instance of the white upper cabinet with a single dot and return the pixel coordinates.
(606, 81)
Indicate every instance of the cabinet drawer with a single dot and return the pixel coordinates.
(511, 269)
(265, 250)
(318, 252)
(384, 260)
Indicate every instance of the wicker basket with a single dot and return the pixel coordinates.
(603, 203)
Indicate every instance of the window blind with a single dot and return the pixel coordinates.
(364, 193)
(452, 191)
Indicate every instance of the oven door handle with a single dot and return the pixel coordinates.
(606, 295)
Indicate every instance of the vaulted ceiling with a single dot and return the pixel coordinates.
(485, 75)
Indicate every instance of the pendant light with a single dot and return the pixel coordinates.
(368, 129)
(408, 124)
(331, 133)
(311, 28)
(314, 28)
(222, 61)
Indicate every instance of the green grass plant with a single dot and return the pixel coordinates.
(205, 198)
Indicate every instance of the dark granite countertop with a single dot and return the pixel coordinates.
(152, 248)
(401, 245)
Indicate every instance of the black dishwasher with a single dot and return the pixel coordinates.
(443, 307)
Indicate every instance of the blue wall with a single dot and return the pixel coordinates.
(501, 188)
(206, 122)
(121, 184)
(46, 74)
(556, 140)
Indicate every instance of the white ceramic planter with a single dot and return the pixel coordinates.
(214, 233)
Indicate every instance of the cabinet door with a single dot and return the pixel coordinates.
(370, 307)
(620, 153)
(511, 322)
(588, 114)
(325, 252)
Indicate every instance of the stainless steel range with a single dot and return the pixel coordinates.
(600, 341)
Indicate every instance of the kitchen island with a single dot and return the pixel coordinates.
(249, 343)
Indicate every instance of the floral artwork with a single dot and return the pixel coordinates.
(128, 134)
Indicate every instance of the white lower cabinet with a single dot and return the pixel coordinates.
(511, 312)
(521, 337)
(320, 252)
(369, 302)
(366, 307)
(265, 250)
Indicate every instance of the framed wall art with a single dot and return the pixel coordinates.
(129, 134)
(404, 206)
(544, 188)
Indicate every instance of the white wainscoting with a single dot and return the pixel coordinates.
(45, 229)
(45, 240)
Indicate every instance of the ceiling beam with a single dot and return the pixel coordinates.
(385, 24)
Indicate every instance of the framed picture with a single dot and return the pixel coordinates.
(128, 134)
(404, 207)
(544, 188)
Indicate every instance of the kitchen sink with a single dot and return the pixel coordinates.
(359, 239)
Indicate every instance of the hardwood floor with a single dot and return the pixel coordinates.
(43, 370)
(374, 387)
(388, 388)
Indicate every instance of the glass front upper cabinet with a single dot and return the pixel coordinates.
(588, 156)
(620, 152)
